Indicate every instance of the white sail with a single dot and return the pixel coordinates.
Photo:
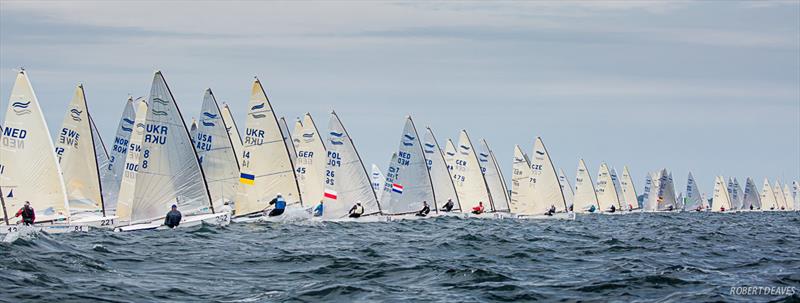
(545, 188)
(648, 203)
(169, 171)
(266, 165)
(494, 178)
(193, 130)
(788, 198)
(721, 200)
(75, 148)
(629, 197)
(617, 186)
(443, 188)
(664, 198)
(751, 195)
(412, 183)
(287, 138)
(449, 154)
(377, 179)
(103, 162)
(467, 175)
(693, 199)
(233, 131)
(131, 162)
(606, 191)
(566, 188)
(737, 199)
(29, 170)
(779, 198)
(768, 201)
(795, 192)
(585, 195)
(215, 150)
(119, 152)
(346, 179)
(521, 197)
(311, 158)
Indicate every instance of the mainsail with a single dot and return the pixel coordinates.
(75, 148)
(751, 196)
(606, 190)
(377, 179)
(215, 151)
(29, 171)
(311, 158)
(737, 199)
(467, 176)
(193, 130)
(521, 198)
(788, 198)
(131, 162)
(169, 171)
(116, 161)
(266, 165)
(629, 197)
(233, 131)
(287, 138)
(412, 183)
(449, 154)
(346, 179)
(693, 199)
(494, 178)
(566, 188)
(768, 197)
(780, 200)
(545, 188)
(721, 200)
(649, 187)
(443, 188)
(103, 161)
(585, 195)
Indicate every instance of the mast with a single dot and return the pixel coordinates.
(439, 152)
(566, 208)
(483, 177)
(94, 150)
(427, 170)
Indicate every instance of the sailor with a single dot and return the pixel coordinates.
(357, 210)
(592, 208)
(669, 208)
(751, 206)
(225, 208)
(448, 206)
(550, 211)
(478, 209)
(630, 207)
(722, 208)
(280, 206)
(570, 207)
(425, 209)
(173, 218)
(27, 213)
(319, 209)
(613, 209)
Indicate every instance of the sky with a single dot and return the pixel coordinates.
(711, 87)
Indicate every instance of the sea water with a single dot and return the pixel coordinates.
(678, 257)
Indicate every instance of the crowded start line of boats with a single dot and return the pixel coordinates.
(160, 174)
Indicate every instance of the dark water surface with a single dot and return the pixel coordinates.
(683, 257)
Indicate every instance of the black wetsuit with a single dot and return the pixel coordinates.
(424, 212)
(613, 209)
(448, 206)
(173, 219)
(356, 211)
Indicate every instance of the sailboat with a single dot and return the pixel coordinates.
(663, 196)
(521, 198)
(449, 154)
(116, 161)
(233, 131)
(28, 170)
(544, 189)
(494, 178)
(377, 179)
(217, 157)
(751, 199)
(606, 191)
(287, 138)
(468, 178)
(79, 155)
(411, 185)
(311, 158)
(265, 163)
(693, 200)
(788, 198)
(768, 201)
(795, 192)
(346, 178)
(629, 197)
(721, 201)
(585, 194)
(566, 188)
(193, 130)
(617, 186)
(734, 193)
(168, 172)
(443, 188)
(779, 197)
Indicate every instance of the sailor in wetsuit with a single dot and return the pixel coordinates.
(280, 206)
(357, 210)
(27, 213)
(173, 218)
(425, 209)
(448, 206)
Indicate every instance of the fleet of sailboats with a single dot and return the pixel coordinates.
(215, 176)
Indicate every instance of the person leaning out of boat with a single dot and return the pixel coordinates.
(425, 209)
(173, 218)
(612, 209)
(592, 208)
(551, 211)
(319, 209)
(448, 206)
(478, 209)
(280, 206)
(27, 213)
(357, 210)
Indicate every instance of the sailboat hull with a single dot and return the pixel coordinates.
(50, 229)
(556, 216)
(218, 219)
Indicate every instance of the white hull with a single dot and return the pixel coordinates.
(363, 219)
(219, 219)
(556, 216)
(291, 214)
(490, 215)
(108, 222)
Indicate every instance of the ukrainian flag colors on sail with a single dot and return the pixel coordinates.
(247, 179)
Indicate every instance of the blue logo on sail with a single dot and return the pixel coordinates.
(540, 152)
(21, 108)
(257, 110)
(75, 114)
(127, 128)
(209, 115)
(207, 123)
